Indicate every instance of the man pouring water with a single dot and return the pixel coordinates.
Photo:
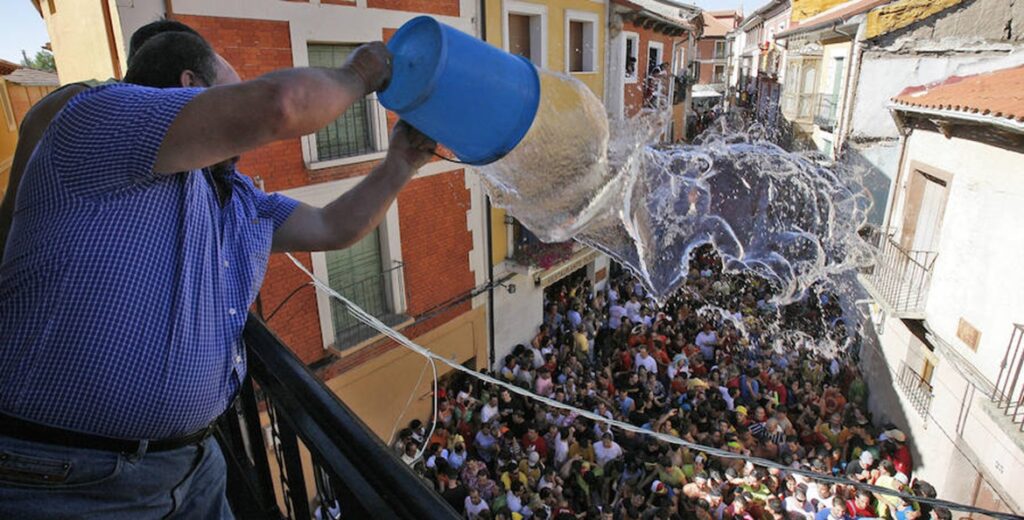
(132, 262)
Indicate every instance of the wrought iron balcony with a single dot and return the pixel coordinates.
(919, 392)
(825, 117)
(1008, 393)
(291, 446)
(902, 277)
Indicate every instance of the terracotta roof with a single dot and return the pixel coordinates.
(7, 67)
(831, 16)
(713, 27)
(33, 78)
(997, 94)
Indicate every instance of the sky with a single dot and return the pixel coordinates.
(21, 27)
(748, 6)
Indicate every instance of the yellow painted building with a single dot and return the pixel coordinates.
(560, 35)
(86, 38)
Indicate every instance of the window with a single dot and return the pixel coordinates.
(680, 61)
(352, 134)
(358, 273)
(925, 206)
(718, 75)
(525, 31)
(719, 51)
(581, 35)
(631, 56)
(655, 55)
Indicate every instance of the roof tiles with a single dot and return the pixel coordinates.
(997, 94)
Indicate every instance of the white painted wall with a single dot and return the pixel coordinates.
(517, 316)
(978, 274)
(958, 439)
(884, 76)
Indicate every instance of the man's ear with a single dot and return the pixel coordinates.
(190, 79)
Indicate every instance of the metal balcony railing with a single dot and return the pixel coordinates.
(825, 116)
(314, 452)
(1008, 393)
(918, 391)
(375, 294)
(799, 107)
(902, 277)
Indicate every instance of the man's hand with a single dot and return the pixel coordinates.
(410, 146)
(372, 63)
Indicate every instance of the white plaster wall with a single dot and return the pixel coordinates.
(957, 440)
(884, 76)
(516, 316)
(978, 274)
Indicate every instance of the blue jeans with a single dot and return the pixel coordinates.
(44, 481)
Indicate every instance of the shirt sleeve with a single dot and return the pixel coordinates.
(275, 206)
(107, 138)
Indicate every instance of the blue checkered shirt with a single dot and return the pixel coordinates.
(122, 292)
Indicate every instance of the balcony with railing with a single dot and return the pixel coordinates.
(825, 115)
(901, 277)
(799, 107)
(1008, 393)
(292, 448)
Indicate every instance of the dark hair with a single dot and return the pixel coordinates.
(161, 60)
(144, 33)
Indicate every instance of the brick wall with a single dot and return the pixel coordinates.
(441, 7)
(435, 240)
(634, 92)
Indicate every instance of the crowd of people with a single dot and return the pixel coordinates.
(718, 365)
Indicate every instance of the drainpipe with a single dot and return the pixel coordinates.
(108, 23)
(487, 232)
(850, 96)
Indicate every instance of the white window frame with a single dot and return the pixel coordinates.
(538, 28)
(378, 130)
(661, 53)
(590, 23)
(319, 195)
(635, 38)
(680, 60)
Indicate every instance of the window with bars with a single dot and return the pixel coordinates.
(358, 273)
(352, 134)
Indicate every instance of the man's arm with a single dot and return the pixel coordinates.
(225, 121)
(32, 128)
(357, 212)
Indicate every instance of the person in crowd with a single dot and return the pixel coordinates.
(716, 365)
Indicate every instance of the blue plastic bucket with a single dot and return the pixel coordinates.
(475, 99)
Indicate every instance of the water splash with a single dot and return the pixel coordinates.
(788, 217)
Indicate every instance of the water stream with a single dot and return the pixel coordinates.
(787, 216)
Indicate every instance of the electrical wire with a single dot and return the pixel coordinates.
(373, 322)
(285, 300)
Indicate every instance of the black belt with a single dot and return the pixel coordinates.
(35, 432)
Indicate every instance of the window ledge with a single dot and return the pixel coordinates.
(355, 159)
(396, 322)
(583, 72)
(631, 80)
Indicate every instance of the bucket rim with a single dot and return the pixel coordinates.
(442, 58)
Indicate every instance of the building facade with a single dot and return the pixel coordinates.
(944, 350)
(568, 36)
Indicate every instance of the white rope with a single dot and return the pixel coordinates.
(398, 337)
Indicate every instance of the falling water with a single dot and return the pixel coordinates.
(780, 214)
